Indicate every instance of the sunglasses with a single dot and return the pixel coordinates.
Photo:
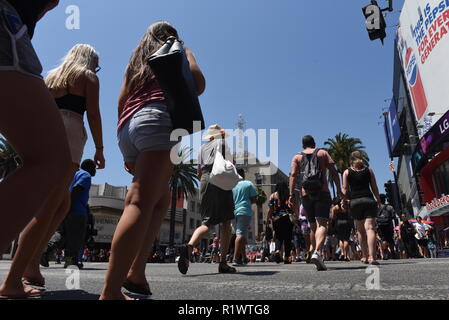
(97, 69)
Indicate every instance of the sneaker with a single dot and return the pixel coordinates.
(69, 261)
(236, 263)
(298, 259)
(183, 262)
(44, 260)
(308, 257)
(317, 260)
(224, 268)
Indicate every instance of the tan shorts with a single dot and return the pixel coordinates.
(76, 134)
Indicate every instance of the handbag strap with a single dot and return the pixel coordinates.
(223, 146)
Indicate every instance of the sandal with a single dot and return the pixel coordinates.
(224, 268)
(364, 260)
(137, 288)
(373, 263)
(33, 283)
(31, 294)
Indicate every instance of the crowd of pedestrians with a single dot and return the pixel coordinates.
(43, 121)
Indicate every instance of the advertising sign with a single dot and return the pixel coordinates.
(105, 225)
(423, 46)
(393, 128)
(435, 135)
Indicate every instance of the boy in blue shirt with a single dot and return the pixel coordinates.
(245, 194)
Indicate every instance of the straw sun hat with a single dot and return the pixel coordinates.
(215, 132)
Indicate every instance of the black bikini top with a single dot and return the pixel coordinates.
(72, 102)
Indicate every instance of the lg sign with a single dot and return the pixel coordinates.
(444, 126)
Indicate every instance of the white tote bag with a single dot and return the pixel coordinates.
(224, 174)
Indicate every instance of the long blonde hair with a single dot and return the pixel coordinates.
(78, 60)
(138, 70)
(358, 160)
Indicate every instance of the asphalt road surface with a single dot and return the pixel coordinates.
(422, 279)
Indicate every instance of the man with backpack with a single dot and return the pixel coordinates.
(385, 226)
(311, 166)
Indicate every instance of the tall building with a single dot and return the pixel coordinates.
(417, 124)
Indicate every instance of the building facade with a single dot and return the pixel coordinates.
(417, 125)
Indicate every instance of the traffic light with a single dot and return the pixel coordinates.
(375, 21)
(389, 192)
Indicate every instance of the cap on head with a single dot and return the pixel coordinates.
(214, 132)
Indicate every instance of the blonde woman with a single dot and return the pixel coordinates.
(75, 88)
(360, 188)
(144, 130)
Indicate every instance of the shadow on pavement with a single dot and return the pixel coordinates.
(70, 295)
(347, 268)
(258, 273)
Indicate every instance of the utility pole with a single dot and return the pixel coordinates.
(385, 114)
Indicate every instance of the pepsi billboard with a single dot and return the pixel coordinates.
(423, 46)
(392, 128)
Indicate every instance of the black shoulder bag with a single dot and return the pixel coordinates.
(171, 68)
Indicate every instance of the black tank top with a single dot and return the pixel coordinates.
(29, 11)
(72, 102)
(359, 184)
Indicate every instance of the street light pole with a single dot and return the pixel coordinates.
(385, 114)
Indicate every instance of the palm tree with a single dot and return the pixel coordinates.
(9, 159)
(184, 181)
(340, 150)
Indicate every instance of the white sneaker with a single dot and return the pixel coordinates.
(318, 261)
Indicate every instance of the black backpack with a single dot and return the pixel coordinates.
(383, 216)
(310, 172)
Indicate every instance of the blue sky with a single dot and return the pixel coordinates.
(303, 67)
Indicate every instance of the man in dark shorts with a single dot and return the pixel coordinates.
(217, 205)
(312, 165)
(385, 226)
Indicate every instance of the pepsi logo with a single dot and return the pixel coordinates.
(412, 71)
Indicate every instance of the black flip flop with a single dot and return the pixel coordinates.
(135, 288)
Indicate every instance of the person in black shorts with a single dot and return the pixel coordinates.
(310, 170)
(360, 188)
(385, 227)
(344, 225)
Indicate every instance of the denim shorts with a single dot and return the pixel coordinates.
(16, 51)
(241, 226)
(148, 130)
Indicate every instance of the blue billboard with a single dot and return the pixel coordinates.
(392, 128)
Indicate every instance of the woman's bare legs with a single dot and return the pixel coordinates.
(30, 244)
(32, 271)
(136, 273)
(362, 236)
(371, 237)
(31, 122)
(152, 173)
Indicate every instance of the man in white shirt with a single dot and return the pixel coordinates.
(421, 236)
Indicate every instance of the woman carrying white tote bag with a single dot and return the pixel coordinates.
(224, 173)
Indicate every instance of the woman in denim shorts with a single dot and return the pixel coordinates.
(360, 188)
(31, 123)
(144, 131)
